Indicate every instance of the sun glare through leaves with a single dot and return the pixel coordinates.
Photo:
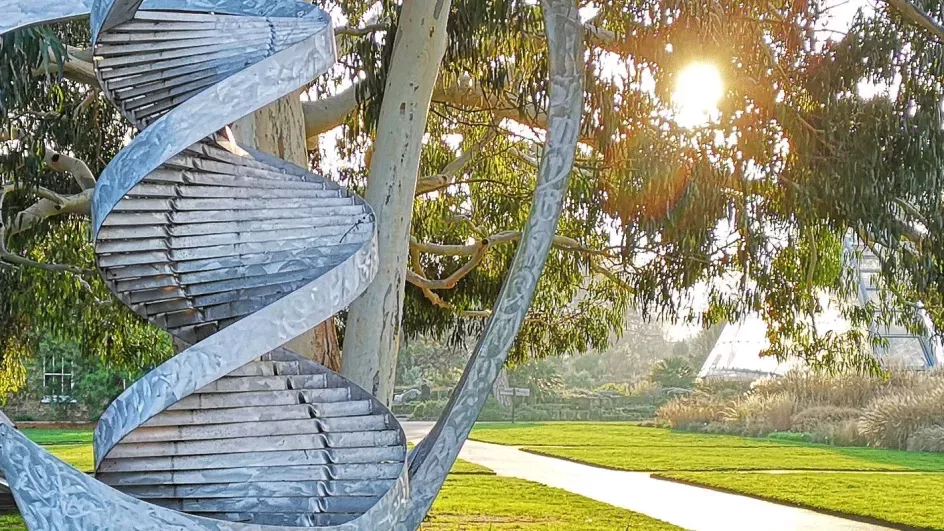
(698, 89)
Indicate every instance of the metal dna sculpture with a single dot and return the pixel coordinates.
(237, 252)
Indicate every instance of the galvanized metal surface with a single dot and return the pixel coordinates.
(432, 459)
(22, 13)
(238, 252)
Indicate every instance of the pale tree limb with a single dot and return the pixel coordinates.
(559, 242)
(433, 297)
(370, 29)
(47, 207)
(324, 115)
(77, 168)
(50, 204)
(449, 282)
(77, 67)
(447, 176)
(476, 252)
(918, 16)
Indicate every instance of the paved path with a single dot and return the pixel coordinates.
(690, 507)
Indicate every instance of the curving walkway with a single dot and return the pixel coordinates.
(694, 508)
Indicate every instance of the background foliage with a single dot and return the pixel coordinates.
(746, 212)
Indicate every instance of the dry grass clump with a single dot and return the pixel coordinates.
(902, 409)
(810, 418)
(848, 390)
(757, 414)
(693, 412)
(890, 420)
(928, 439)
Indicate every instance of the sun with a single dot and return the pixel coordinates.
(698, 89)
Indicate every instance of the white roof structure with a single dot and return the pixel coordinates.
(736, 355)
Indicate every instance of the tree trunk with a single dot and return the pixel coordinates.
(279, 129)
(372, 335)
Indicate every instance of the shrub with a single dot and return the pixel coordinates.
(623, 389)
(721, 388)
(526, 413)
(790, 436)
(674, 372)
(889, 421)
(812, 417)
(690, 412)
(493, 411)
(928, 439)
(429, 410)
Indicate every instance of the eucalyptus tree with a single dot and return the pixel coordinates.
(749, 209)
(750, 206)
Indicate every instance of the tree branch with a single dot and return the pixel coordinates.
(347, 31)
(449, 282)
(918, 16)
(448, 175)
(559, 242)
(79, 169)
(78, 67)
(51, 204)
(434, 298)
(325, 114)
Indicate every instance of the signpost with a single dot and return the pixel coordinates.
(515, 392)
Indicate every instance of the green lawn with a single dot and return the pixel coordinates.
(660, 459)
(41, 436)
(473, 499)
(628, 447)
(912, 499)
(915, 500)
(484, 503)
(610, 434)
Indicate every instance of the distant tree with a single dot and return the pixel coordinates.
(543, 379)
(673, 372)
(430, 361)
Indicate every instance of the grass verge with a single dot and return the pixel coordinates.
(662, 459)
(624, 446)
(610, 434)
(913, 500)
(492, 503)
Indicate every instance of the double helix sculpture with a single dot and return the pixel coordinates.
(237, 252)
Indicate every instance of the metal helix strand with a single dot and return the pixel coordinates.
(158, 225)
(432, 459)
